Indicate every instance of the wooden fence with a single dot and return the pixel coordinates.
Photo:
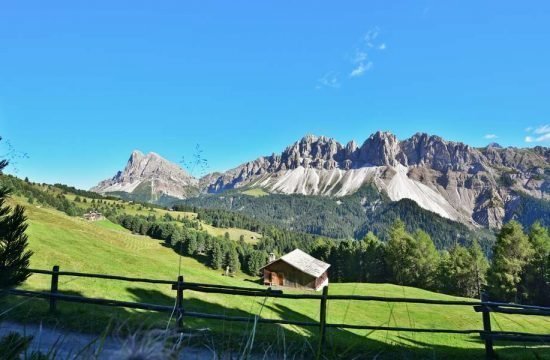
(484, 306)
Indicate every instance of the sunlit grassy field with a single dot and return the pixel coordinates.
(138, 209)
(102, 247)
(256, 192)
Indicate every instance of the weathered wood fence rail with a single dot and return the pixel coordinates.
(484, 306)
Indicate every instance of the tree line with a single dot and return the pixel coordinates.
(41, 194)
(187, 238)
(519, 269)
(347, 217)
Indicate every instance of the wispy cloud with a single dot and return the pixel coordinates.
(544, 129)
(371, 36)
(360, 69)
(329, 80)
(361, 62)
(538, 134)
(490, 136)
(360, 56)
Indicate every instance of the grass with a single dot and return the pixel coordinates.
(255, 192)
(250, 237)
(137, 209)
(103, 247)
(133, 208)
(107, 224)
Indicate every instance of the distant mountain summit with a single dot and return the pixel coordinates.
(458, 182)
(150, 178)
(452, 179)
(494, 145)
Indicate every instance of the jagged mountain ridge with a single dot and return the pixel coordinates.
(452, 179)
(150, 178)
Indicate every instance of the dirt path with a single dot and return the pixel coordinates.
(71, 345)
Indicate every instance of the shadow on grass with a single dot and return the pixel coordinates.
(274, 341)
(508, 350)
(258, 281)
(200, 257)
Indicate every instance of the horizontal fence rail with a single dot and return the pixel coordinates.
(484, 306)
(95, 301)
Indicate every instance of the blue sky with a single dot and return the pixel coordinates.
(82, 84)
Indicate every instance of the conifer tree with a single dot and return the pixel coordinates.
(256, 260)
(14, 256)
(372, 255)
(191, 243)
(233, 260)
(216, 256)
(427, 259)
(399, 255)
(510, 254)
(536, 275)
(478, 269)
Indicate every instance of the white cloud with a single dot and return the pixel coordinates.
(490, 136)
(360, 69)
(539, 134)
(361, 61)
(371, 36)
(329, 80)
(544, 129)
(542, 138)
(360, 56)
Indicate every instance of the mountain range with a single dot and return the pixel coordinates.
(473, 186)
(150, 178)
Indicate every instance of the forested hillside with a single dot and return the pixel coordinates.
(396, 248)
(348, 217)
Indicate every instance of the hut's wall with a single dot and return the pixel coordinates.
(291, 276)
(322, 280)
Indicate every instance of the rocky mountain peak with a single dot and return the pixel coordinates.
(311, 150)
(136, 156)
(438, 154)
(450, 178)
(151, 176)
(455, 180)
(381, 148)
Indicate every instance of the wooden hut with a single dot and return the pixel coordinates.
(93, 216)
(296, 269)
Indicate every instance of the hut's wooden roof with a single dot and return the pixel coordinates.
(303, 262)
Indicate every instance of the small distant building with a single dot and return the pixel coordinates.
(296, 269)
(93, 216)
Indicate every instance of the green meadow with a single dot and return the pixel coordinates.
(103, 247)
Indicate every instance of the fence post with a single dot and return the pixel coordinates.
(179, 303)
(53, 288)
(322, 323)
(489, 351)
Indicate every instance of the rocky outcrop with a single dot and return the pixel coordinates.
(456, 180)
(150, 177)
(380, 149)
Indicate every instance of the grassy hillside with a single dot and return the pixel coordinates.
(103, 247)
(139, 209)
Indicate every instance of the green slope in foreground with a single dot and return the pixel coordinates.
(102, 247)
